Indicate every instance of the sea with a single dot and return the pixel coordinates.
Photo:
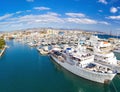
(24, 69)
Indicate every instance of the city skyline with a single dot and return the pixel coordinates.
(95, 15)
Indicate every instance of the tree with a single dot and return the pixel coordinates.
(2, 43)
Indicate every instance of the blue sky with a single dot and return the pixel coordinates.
(96, 15)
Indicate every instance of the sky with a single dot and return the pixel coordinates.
(94, 15)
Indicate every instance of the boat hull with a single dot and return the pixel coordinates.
(86, 74)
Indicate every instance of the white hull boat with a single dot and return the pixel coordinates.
(92, 74)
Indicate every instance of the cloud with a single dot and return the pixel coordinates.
(49, 19)
(17, 25)
(113, 10)
(75, 14)
(114, 17)
(41, 8)
(81, 20)
(100, 10)
(104, 22)
(28, 10)
(6, 16)
(18, 12)
(30, 0)
(31, 21)
(85, 21)
(53, 14)
(118, 7)
(103, 1)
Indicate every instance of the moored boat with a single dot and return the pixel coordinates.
(81, 64)
(43, 50)
(117, 50)
(105, 56)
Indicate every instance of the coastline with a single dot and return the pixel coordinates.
(3, 51)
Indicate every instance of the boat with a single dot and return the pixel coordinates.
(43, 50)
(104, 55)
(82, 64)
(32, 44)
(117, 50)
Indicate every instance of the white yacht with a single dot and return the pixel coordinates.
(81, 64)
(104, 55)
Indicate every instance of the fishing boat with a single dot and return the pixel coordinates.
(82, 64)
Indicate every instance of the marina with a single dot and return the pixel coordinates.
(40, 73)
(60, 46)
(42, 68)
(81, 53)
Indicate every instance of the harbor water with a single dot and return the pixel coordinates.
(23, 69)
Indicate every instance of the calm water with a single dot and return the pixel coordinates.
(23, 69)
(105, 36)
